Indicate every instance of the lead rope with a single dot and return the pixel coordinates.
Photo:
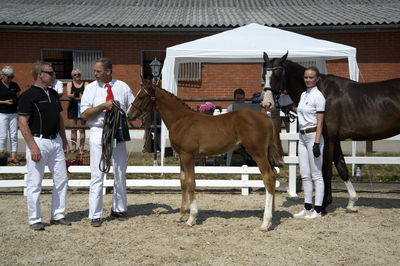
(285, 109)
(111, 122)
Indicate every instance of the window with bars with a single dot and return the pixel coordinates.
(189, 71)
(64, 61)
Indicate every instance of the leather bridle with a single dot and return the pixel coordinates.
(152, 99)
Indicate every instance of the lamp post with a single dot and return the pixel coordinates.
(155, 71)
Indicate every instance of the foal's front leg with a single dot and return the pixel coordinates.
(188, 185)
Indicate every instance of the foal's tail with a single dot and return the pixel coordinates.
(275, 150)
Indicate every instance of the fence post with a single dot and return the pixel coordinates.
(292, 167)
(25, 190)
(245, 177)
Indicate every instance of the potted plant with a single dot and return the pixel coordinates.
(207, 108)
(4, 157)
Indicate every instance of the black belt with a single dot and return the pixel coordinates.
(308, 130)
(51, 136)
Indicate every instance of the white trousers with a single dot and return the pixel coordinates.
(119, 162)
(9, 125)
(53, 155)
(311, 168)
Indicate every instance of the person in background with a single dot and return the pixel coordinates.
(96, 100)
(239, 96)
(57, 85)
(9, 93)
(310, 112)
(42, 126)
(75, 90)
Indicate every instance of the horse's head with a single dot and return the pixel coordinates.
(274, 75)
(144, 101)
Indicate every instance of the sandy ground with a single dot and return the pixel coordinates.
(227, 232)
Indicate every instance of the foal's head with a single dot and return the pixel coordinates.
(144, 101)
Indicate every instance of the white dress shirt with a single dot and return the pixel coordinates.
(95, 94)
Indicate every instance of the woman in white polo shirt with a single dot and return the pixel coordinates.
(310, 112)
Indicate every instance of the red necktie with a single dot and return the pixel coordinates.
(110, 95)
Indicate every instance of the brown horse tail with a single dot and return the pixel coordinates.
(275, 150)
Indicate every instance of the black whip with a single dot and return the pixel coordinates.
(111, 122)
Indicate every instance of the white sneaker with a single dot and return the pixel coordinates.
(302, 213)
(313, 215)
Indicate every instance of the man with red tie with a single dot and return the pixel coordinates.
(96, 100)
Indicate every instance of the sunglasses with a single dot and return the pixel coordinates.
(10, 77)
(51, 73)
(76, 75)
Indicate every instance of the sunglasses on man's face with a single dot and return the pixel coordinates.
(10, 77)
(51, 73)
(76, 75)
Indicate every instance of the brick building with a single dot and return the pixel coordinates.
(131, 33)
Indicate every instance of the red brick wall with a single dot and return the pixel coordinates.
(377, 55)
(220, 80)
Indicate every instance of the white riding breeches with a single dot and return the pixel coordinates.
(311, 168)
(9, 127)
(52, 154)
(119, 162)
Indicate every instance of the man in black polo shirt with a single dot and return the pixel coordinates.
(42, 126)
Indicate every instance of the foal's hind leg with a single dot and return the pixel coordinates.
(188, 185)
(269, 180)
(344, 175)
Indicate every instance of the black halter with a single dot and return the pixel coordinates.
(282, 84)
(282, 87)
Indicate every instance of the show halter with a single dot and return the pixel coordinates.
(111, 133)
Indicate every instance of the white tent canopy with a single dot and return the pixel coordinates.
(247, 44)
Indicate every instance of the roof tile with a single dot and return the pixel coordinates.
(198, 13)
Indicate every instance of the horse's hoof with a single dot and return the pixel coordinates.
(190, 223)
(348, 210)
(181, 219)
(265, 227)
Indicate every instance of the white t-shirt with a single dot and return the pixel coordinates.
(95, 94)
(312, 101)
(58, 86)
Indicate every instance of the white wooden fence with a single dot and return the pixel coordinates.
(244, 183)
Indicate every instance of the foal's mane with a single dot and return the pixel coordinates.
(173, 96)
(295, 66)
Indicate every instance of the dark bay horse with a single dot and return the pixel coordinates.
(356, 111)
(193, 134)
